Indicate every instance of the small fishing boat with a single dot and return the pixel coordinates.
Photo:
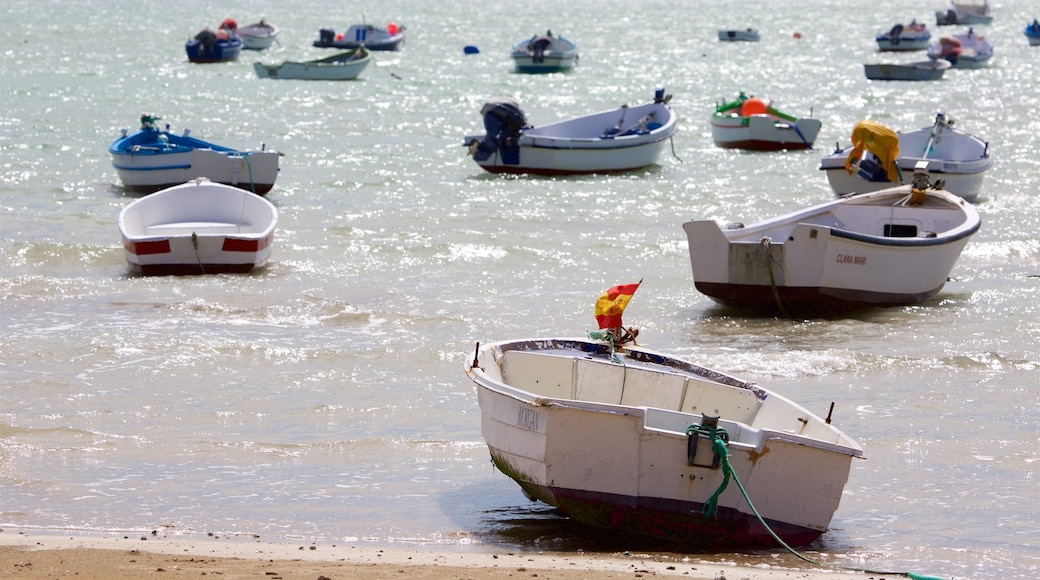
(544, 53)
(208, 46)
(634, 440)
(197, 227)
(900, 38)
(968, 50)
(964, 13)
(753, 124)
(622, 139)
(340, 67)
(1033, 33)
(258, 35)
(371, 37)
(932, 69)
(880, 158)
(151, 159)
(746, 35)
(891, 247)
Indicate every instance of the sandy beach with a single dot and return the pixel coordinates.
(47, 556)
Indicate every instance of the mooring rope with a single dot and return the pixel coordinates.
(722, 451)
(766, 243)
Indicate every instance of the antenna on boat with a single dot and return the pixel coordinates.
(476, 356)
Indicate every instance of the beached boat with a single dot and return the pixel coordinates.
(886, 248)
(208, 46)
(544, 53)
(1033, 33)
(924, 70)
(623, 139)
(968, 50)
(959, 159)
(746, 35)
(754, 124)
(340, 67)
(629, 439)
(964, 13)
(258, 35)
(199, 227)
(900, 38)
(371, 37)
(151, 159)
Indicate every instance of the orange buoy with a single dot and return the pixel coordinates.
(339, 37)
(752, 106)
(391, 28)
(797, 34)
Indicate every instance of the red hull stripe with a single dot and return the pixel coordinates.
(146, 248)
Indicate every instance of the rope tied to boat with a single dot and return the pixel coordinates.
(766, 242)
(720, 446)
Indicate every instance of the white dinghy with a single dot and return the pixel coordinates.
(199, 227)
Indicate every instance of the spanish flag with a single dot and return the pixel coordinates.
(613, 302)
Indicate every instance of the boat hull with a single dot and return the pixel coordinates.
(557, 55)
(931, 70)
(368, 36)
(221, 51)
(338, 68)
(557, 422)
(763, 133)
(748, 35)
(197, 228)
(257, 36)
(868, 250)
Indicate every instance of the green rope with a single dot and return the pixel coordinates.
(720, 448)
(772, 279)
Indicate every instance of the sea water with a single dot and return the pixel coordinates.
(323, 399)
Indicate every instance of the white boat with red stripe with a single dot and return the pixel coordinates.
(199, 227)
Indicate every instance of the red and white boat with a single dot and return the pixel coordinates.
(199, 227)
(753, 124)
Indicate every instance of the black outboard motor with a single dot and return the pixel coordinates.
(504, 122)
(538, 46)
(326, 36)
(870, 169)
(894, 34)
(206, 39)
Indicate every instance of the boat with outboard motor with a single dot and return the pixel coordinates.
(627, 138)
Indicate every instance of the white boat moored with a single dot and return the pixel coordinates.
(932, 69)
(199, 227)
(902, 38)
(959, 159)
(887, 248)
(627, 138)
(544, 53)
(258, 35)
(627, 439)
(964, 13)
(339, 67)
(753, 124)
(746, 35)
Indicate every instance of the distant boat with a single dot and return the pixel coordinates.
(258, 35)
(746, 35)
(339, 67)
(753, 124)
(925, 70)
(891, 247)
(197, 227)
(207, 46)
(633, 440)
(964, 13)
(900, 38)
(627, 138)
(1033, 33)
(371, 37)
(151, 159)
(880, 158)
(544, 54)
(967, 50)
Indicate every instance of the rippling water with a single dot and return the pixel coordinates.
(323, 399)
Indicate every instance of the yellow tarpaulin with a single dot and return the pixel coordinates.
(878, 139)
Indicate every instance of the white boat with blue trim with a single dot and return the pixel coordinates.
(544, 53)
(887, 248)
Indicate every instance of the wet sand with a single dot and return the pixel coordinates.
(27, 555)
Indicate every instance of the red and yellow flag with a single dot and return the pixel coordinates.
(613, 302)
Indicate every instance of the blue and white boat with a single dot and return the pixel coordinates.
(903, 38)
(151, 159)
(964, 13)
(747, 35)
(371, 37)
(221, 46)
(544, 53)
(1033, 33)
